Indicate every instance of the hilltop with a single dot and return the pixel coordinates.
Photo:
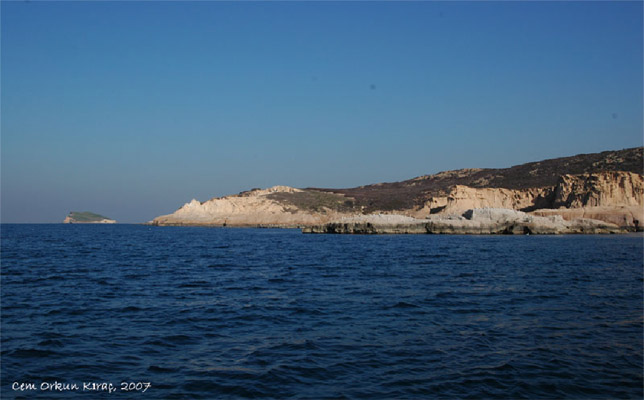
(417, 191)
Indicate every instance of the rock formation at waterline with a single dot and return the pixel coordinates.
(604, 186)
(480, 221)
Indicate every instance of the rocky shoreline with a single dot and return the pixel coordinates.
(483, 221)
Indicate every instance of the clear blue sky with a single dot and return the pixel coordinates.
(132, 109)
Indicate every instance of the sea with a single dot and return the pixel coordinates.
(144, 312)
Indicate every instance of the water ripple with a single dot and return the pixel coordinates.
(264, 313)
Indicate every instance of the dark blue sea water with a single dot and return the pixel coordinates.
(268, 313)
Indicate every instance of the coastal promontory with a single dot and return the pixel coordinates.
(562, 195)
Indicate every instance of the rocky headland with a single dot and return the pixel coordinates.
(86, 217)
(563, 195)
(280, 206)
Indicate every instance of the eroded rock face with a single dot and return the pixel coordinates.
(605, 189)
(463, 198)
(613, 197)
(631, 217)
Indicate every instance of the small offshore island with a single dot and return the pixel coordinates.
(86, 217)
(586, 193)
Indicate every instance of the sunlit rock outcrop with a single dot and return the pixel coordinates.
(276, 206)
(485, 221)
